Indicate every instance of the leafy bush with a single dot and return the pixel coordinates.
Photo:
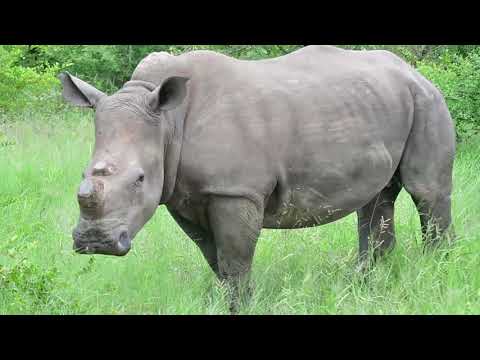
(21, 280)
(109, 66)
(458, 78)
(22, 87)
(27, 279)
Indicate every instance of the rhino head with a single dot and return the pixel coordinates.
(126, 178)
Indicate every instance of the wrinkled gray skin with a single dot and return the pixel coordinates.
(231, 147)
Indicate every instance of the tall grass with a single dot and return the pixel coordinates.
(295, 272)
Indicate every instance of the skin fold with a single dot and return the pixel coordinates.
(232, 147)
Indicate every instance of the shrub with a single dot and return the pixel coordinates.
(24, 87)
(458, 78)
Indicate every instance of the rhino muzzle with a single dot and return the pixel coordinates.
(102, 238)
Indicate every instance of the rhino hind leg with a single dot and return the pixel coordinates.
(426, 169)
(435, 219)
(236, 224)
(376, 226)
(434, 205)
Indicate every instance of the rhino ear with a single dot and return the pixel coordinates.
(79, 93)
(169, 95)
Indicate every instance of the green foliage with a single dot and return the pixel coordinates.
(458, 77)
(21, 86)
(254, 52)
(28, 279)
(109, 66)
(24, 282)
(5, 141)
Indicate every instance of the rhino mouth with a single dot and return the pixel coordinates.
(90, 240)
(117, 249)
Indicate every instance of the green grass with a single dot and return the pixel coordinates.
(295, 272)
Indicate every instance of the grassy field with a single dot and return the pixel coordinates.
(295, 272)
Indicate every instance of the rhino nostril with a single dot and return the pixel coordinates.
(123, 239)
(123, 244)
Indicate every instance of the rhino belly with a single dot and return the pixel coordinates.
(309, 207)
(330, 191)
(295, 217)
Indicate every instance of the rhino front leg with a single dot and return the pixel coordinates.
(376, 224)
(201, 238)
(236, 224)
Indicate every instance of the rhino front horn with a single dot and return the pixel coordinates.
(90, 195)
